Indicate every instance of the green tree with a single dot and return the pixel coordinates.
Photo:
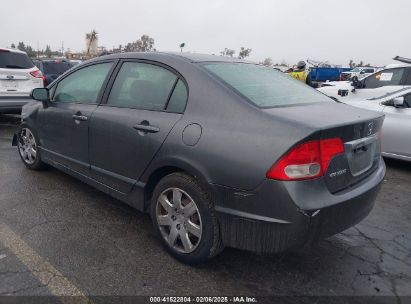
(182, 45)
(30, 52)
(227, 52)
(144, 44)
(244, 52)
(267, 62)
(13, 46)
(21, 46)
(48, 51)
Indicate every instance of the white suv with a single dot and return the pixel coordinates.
(18, 76)
(359, 72)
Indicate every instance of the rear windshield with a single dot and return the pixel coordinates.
(263, 86)
(11, 60)
(56, 67)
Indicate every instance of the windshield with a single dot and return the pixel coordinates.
(265, 87)
(56, 67)
(11, 60)
(355, 70)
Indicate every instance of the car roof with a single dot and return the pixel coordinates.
(51, 60)
(191, 57)
(12, 50)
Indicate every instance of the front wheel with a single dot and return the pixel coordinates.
(184, 218)
(27, 144)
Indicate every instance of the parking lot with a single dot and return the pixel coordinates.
(60, 236)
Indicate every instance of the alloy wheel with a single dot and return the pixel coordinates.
(27, 146)
(179, 220)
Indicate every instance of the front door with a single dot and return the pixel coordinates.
(64, 123)
(397, 129)
(145, 102)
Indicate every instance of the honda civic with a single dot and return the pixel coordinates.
(220, 152)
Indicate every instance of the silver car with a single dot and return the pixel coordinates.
(396, 129)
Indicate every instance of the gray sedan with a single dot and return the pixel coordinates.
(396, 130)
(219, 151)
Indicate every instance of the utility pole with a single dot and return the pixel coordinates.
(62, 48)
(38, 50)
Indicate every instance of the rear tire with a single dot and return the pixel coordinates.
(184, 218)
(27, 144)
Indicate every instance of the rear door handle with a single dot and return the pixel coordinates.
(146, 128)
(79, 117)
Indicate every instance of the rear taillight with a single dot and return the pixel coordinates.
(37, 74)
(307, 160)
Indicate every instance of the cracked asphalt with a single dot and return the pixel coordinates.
(103, 247)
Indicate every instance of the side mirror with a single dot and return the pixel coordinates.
(396, 102)
(362, 72)
(399, 101)
(41, 94)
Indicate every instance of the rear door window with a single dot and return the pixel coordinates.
(408, 81)
(142, 86)
(265, 87)
(407, 101)
(178, 99)
(384, 78)
(11, 60)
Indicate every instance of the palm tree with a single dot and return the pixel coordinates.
(91, 37)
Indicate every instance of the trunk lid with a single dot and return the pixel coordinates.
(358, 129)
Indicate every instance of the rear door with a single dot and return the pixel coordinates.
(145, 102)
(397, 129)
(64, 123)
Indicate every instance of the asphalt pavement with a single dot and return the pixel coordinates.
(59, 236)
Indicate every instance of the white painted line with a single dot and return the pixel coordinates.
(43, 270)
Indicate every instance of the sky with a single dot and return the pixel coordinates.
(324, 30)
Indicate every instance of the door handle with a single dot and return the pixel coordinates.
(146, 128)
(79, 117)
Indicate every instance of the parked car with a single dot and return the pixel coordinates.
(75, 62)
(52, 68)
(18, 76)
(220, 152)
(389, 79)
(396, 106)
(359, 72)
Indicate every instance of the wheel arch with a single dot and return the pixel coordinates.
(165, 168)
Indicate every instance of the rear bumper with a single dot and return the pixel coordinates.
(276, 218)
(12, 104)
